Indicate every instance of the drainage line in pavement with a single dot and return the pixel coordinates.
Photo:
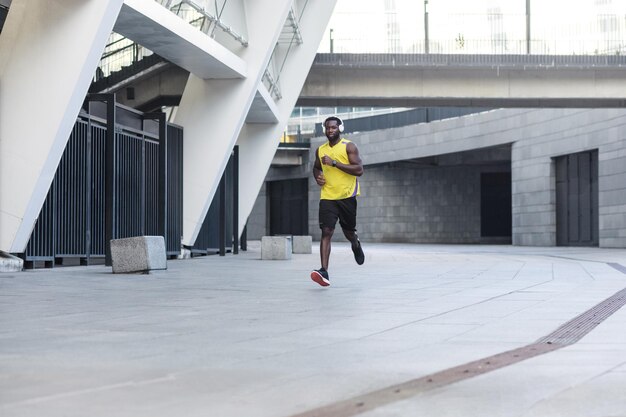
(566, 335)
(620, 268)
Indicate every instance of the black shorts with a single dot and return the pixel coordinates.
(344, 210)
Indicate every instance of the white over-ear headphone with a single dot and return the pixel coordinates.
(332, 118)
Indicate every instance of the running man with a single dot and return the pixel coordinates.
(336, 168)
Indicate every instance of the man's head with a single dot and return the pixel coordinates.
(333, 126)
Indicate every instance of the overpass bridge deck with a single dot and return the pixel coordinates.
(429, 80)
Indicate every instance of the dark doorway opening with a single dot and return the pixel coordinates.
(577, 199)
(289, 208)
(495, 204)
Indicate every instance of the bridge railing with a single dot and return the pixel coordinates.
(118, 53)
(377, 60)
(406, 28)
(206, 16)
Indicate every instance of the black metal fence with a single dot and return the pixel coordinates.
(218, 233)
(114, 180)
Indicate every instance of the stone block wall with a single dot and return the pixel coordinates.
(612, 186)
(550, 133)
(406, 203)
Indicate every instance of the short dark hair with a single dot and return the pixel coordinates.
(335, 118)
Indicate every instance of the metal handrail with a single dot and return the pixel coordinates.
(119, 53)
(128, 52)
(271, 81)
(215, 21)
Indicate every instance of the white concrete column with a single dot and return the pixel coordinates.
(258, 142)
(49, 51)
(212, 113)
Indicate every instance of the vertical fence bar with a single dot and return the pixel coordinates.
(143, 218)
(528, 27)
(426, 40)
(174, 186)
(244, 238)
(222, 216)
(163, 169)
(235, 191)
(153, 174)
(163, 194)
(88, 198)
(98, 199)
(109, 180)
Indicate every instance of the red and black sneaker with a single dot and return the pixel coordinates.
(321, 277)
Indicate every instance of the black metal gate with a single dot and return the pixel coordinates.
(218, 233)
(577, 199)
(113, 181)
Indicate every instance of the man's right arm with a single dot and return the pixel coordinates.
(318, 174)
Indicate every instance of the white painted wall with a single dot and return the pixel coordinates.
(49, 51)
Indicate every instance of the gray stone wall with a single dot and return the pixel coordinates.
(612, 188)
(405, 203)
(555, 132)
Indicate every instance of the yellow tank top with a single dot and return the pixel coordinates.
(339, 185)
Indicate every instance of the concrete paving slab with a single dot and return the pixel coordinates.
(237, 336)
(567, 382)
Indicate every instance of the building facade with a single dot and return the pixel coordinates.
(532, 177)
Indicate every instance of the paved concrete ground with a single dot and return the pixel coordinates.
(237, 336)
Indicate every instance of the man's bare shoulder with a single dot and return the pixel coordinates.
(351, 146)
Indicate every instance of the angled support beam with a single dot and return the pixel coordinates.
(258, 142)
(213, 111)
(49, 51)
(263, 109)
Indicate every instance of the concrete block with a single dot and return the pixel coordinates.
(10, 263)
(302, 244)
(276, 247)
(138, 254)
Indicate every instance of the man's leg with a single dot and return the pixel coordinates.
(327, 234)
(351, 235)
(347, 220)
(328, 218)
(321, 275)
